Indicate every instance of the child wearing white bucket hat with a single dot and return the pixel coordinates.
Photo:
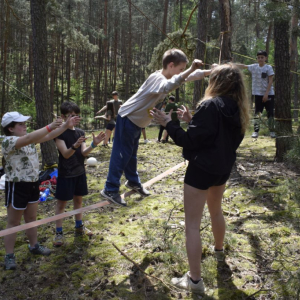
(21, 165)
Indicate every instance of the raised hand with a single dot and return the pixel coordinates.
(160, 117)
(184, 114)
(197, 63)
(56, 123)
(99, 138)
(72, 121)
(80, 141)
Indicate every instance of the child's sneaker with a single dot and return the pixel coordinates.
(10, 262)
(39, 250)
(254, 135)
(186, 283)
(114, 197)
(138, 188)
(82, 230)
(59, 239)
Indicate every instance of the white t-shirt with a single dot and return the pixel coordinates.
(154, 89)
(260, 79)
(21, 164)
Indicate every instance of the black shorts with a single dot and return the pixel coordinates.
(66, 188)
(268, 105)
(19, 194)
(202, 180)
(110, 127)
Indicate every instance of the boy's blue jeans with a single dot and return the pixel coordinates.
(124, 155)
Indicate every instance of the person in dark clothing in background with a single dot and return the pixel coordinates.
(214, 133)
(171, 106)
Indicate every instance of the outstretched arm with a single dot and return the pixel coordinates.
(69, 124)
(43, 134)
(96, 140)
(242, 66)
(101, 110)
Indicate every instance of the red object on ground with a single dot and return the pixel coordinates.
(45, 184)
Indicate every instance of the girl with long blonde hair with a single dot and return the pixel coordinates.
(213, 135)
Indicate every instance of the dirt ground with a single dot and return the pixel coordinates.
(261, 207)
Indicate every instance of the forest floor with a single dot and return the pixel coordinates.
(261, 207)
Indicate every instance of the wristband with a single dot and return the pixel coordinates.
(93, 146)
(73, 147)
(48, 128)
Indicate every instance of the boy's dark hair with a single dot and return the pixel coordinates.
(114, 93)
(6, 130)
(172, 98)
(262, 52)
(175, 56)
(68, 107)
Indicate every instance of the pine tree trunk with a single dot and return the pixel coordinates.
(68, 72)
(164, 24)
(282, 87)
(180, 13)
(269, 37)
(128, 63)
(105, 51)
(4, 64)
(201, 47)
(294, 56)
(62, 70)
(52, 73)
(225, 15)
(41, 91)
(115, 55)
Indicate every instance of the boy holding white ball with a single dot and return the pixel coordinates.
(71, 180)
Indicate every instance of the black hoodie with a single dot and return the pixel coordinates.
(212, 137)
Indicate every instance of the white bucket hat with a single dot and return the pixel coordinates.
(13, 116)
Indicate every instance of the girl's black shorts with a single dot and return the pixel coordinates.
(19, 194)
(110, 127)
(202, 180)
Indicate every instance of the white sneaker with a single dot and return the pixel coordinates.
(273, 135)
(254, 135)
(186, 283)
(147, 141)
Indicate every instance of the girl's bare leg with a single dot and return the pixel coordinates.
(194, 201)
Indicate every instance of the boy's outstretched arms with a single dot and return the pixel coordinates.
(43, 134)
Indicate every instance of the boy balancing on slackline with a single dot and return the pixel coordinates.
(135, 114)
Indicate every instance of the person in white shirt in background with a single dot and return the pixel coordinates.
(263, 91)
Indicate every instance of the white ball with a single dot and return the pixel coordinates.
(91, 161)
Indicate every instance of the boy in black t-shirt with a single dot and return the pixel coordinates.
(71, 180)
